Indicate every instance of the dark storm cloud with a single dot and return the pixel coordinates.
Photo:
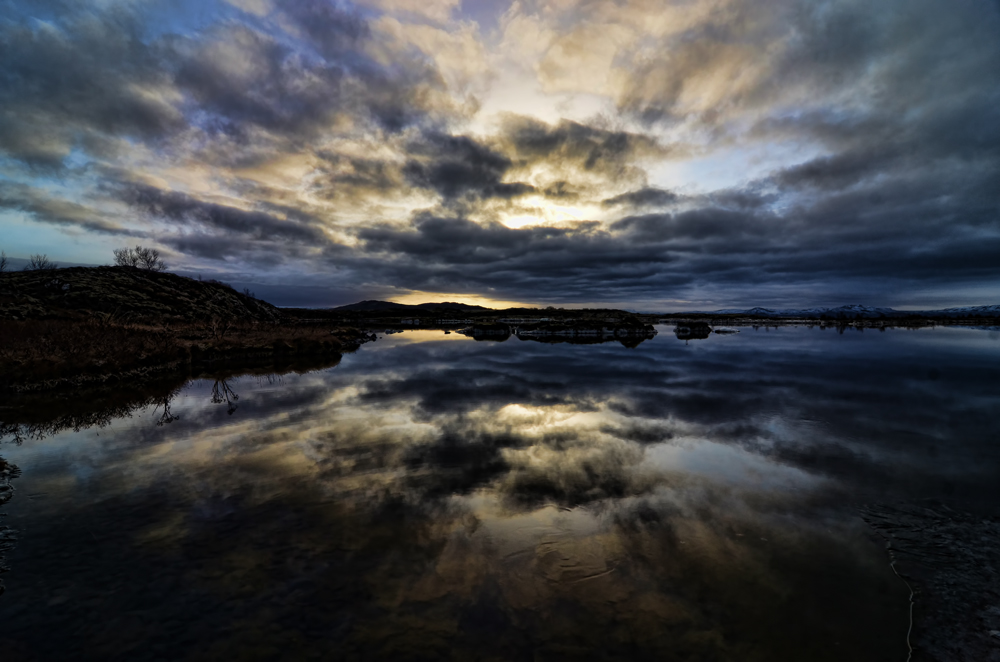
(45, 208)
(461, 241)
(79, 82)
(453, 254)
(574, 144)
(890, 54)
(906, 230)
(92, 77)
(262, 238)
(895, 106)
(243, 78)
(644, 197)
(906, 186)
(702, 224)
(353, 177)
(459, 167)
(333, 30)
(182, 208)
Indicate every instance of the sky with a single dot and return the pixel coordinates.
(667, 155)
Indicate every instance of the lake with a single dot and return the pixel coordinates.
(437, 497)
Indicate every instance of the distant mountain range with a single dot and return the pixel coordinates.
(372, 305)
(855, 311)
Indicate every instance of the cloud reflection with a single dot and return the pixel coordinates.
(427, 499)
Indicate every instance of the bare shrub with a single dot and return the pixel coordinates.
(218, 327)
(39, 262)
(139, 258)
(3, 262)
(126, 257)
(149, 259)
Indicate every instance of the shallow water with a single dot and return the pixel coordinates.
(435, 497)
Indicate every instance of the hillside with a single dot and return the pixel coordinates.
(98, 325)
(128, 294)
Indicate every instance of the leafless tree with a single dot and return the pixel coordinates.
(219, 327)
(167, 416)
(139, 258)
(126, 257)
(39, 262)
(149, 259)
(223, 392)
(3, 262)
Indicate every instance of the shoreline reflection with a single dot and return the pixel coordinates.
(448, 499)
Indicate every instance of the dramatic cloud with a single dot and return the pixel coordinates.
(44, 208)
(645, 197)
(653, 155)
(459, 167)
(84, 82)
(187, 210)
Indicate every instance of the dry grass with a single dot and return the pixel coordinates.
(46, 352)
(94, 324)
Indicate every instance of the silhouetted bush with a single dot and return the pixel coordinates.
(139, 258)
(40, 262)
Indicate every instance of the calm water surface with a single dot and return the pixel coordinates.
(435, 497)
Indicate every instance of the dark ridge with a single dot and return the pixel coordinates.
(126, 293)
(372, 305)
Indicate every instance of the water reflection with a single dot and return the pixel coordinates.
(433, 497)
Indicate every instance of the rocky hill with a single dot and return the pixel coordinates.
(125, 293)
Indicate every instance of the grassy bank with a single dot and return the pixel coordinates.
(78, 326)
(43, 354)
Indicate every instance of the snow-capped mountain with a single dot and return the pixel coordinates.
(971, 311)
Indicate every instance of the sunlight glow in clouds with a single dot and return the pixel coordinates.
(715, 152)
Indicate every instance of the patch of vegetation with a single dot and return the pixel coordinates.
(87, 325)
(139, 258)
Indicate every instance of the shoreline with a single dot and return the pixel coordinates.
(947, 558)
(66, 354)
(42, 357)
